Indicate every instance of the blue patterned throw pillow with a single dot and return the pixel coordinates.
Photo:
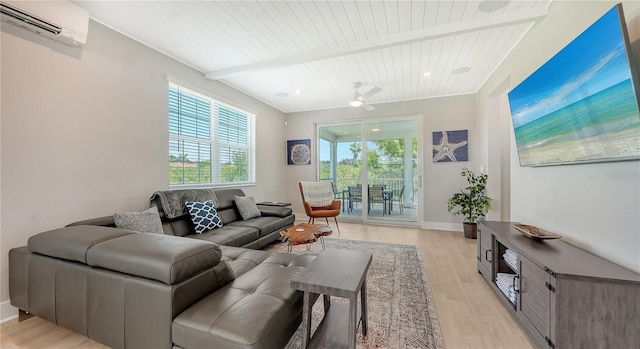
(203, 215)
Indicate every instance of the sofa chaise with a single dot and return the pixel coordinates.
(139, 290)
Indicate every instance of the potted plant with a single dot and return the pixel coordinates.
(471, 202)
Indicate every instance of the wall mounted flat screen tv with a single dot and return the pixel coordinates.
(582, 105)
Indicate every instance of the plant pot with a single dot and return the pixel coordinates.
(470, 230)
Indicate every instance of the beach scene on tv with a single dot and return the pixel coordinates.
(581, 105)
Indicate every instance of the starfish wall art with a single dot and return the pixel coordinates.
(449, 146)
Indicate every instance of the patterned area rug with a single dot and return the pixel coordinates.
(402, 312)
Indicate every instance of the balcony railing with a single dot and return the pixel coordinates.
(395, 184)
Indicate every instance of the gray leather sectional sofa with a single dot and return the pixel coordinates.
(138, 290)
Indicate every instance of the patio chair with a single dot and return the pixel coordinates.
(376, 196)
(319, 202)
(355, 196)
(399, 197)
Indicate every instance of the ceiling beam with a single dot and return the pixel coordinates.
(386, 42)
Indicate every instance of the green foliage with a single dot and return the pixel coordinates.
(184, 171)
(189, 172)
(325, 169)
(387, 161)
(373, 160)
(349, 171)
(391, 147)
(394, 148)
(355, 148)
(179, 158)
(471, 202)
(235, 170)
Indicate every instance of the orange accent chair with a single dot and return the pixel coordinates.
(315, 211)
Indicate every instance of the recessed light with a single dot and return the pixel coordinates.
(492, 5)
(282, 94)
(461, 70)
(375, 129)
(298, 92)
(427, 74)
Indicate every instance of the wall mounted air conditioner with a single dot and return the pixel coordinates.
(57, 20)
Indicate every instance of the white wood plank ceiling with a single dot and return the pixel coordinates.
(313, 51)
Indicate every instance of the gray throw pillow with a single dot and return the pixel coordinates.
(147, 221)
(247, 207)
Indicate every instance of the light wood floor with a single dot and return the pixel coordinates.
(469, 312)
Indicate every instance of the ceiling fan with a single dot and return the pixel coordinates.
(359, 99)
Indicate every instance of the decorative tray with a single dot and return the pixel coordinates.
(534, 232)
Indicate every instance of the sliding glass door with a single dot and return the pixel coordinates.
(374, 166)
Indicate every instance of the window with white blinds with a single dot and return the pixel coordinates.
(210, 143)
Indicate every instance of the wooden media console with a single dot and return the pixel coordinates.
(565, 297)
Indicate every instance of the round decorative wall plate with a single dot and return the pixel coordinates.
(300, 154)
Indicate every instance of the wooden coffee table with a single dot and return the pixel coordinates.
(305, 233)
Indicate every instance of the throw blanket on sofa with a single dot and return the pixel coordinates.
(172, 201)
(318, 194)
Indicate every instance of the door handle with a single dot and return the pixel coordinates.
(485, 255)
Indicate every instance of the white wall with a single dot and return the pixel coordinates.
(84, 131)
(594, 206)
(440, 180)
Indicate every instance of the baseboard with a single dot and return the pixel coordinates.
(7, 312)
(442, 226)
(447, 226)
